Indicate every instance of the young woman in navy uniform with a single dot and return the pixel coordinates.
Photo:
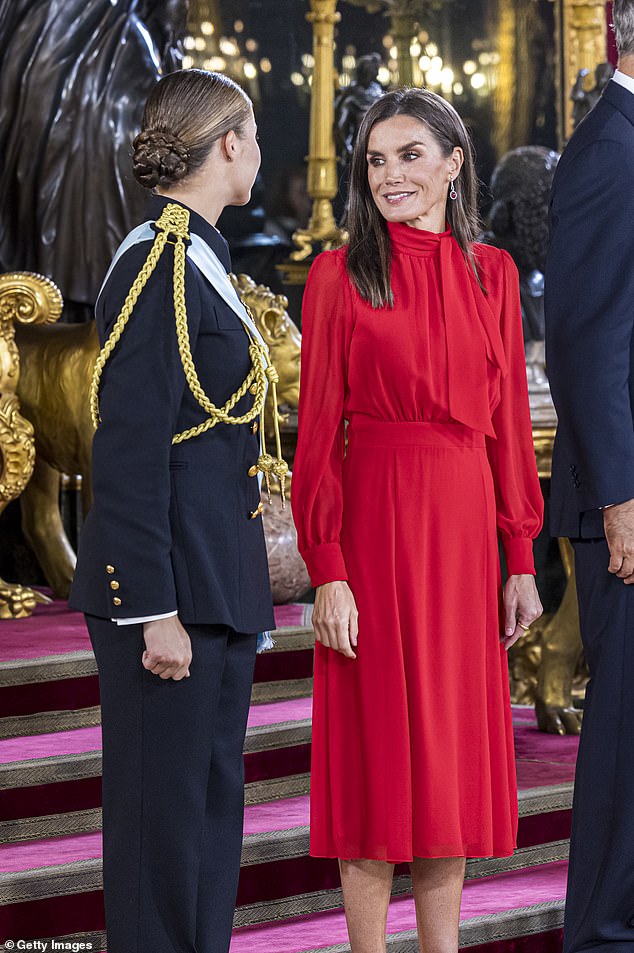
(172, 571)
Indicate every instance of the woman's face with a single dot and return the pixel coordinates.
(408, 174)
(247, 162)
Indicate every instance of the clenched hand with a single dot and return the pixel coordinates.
(168, 651)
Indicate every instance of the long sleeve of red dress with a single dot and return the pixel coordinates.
(519, 501)
(317, 497)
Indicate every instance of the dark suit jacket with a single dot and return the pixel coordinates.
(589, 301)
(170, 524)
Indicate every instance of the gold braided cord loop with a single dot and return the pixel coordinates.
(174, 221)
(258, 370)
(124, 316)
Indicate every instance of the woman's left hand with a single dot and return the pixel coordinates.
(521, 605)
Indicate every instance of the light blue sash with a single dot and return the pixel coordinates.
(206, 261)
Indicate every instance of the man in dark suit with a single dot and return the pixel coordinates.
(590, 359)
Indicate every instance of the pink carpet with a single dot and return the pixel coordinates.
(487, 896)
(280, 815)
(542, 760)
(48, 852)
(271, 713)
(54, 630)
(81, 740)
(75, 741)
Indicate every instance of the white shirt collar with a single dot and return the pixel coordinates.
(624, 80)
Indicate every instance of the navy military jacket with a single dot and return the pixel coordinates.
(589, 302)
(170, 527)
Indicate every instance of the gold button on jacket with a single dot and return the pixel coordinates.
(117, 601)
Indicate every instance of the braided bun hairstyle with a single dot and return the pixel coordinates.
(159, 158)
(186, 113)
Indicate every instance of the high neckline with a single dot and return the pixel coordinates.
(198, 224)
(415, 241)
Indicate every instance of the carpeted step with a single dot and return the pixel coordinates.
(496, 909)
(43, 778)
(48, 674)
(37, 880)
(50, 784)
(278, 878)
(277, 750)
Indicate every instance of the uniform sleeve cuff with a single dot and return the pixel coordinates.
(518, 552)
(325, 563)
(146, 618)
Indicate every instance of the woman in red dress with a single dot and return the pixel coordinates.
(412, 334)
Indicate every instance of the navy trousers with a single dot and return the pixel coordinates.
(600, 900)
(173, 789)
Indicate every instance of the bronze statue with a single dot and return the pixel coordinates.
(353, 102)
(518, 222)
(75, 75)
(546, 666)
(584, 100)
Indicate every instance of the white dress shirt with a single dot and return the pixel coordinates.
(624, 80)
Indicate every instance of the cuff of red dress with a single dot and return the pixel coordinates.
(518, 552)
(325, 563)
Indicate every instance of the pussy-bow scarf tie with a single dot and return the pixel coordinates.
(473, 337)
(472, 329)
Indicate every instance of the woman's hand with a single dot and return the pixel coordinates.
(521, 604)
(168, 648)
(335, 618)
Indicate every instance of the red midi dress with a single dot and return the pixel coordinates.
(412, 741)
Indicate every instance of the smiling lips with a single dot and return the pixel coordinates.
(395, 198)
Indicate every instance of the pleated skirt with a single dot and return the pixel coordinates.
(412, 751)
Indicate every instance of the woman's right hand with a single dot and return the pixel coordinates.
(168, 651)
(335, 618)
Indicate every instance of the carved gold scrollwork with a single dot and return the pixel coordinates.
(17, 448)
(25, 298)
(281, 335)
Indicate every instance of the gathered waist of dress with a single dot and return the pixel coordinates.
(365, 431)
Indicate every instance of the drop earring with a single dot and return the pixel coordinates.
(453, 195)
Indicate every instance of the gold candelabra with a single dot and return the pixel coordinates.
(322, 230)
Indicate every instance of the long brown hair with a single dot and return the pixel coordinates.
(186, 113)
(369, 259)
